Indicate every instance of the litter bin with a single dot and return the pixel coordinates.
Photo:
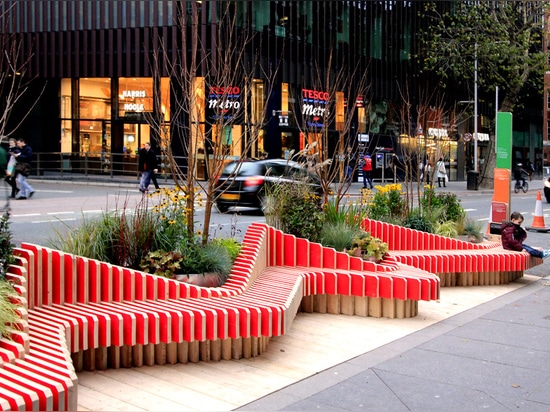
(472, 183)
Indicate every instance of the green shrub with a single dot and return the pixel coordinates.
(447, 229)
(472, 229)
(231, 245)
(338, 235)
(161, 263)
(216, 258)
(418, 222)
(295, 209)
(447, 203)
(8, 310)
(126, 235)
(349, 213)
(387, 204)
(6, 247)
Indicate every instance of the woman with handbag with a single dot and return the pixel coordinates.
(441, 172)
(23, 169)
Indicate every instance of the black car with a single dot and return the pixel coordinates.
(243, 183)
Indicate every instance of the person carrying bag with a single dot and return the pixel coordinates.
(23, 169)
(441, 173)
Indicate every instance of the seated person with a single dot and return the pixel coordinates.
(513, 236)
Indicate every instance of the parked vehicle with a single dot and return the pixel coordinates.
(244, 183)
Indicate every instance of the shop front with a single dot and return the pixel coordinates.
(105, 121)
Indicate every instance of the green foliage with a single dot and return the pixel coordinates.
(192, 257)
(472, 229)
(216, 258)
(6, 247)
(504, 37)
(447, 205)
(154, 239)
(122, 237)
(232, 247)
(8, 309)
(418, 222)
(368, 245)
(338, 235)
(161, 263)
(447, 229)
(349, 213)
(387, 203)
(294, 208)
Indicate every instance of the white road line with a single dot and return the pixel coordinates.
(27, 215)
(60, 213)
(54, 220)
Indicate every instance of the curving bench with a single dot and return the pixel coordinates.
(82, 314)
(456, 262)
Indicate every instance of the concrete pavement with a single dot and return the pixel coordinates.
(495, 356)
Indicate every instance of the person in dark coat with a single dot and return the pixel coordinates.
(148, 166)
(513, 236)
(23, 167)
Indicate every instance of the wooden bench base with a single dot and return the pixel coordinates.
(478, 278)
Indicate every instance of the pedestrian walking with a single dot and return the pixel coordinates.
(148, 166)
(367, 171)
(23, 169)
(441, 172)
(11, 173)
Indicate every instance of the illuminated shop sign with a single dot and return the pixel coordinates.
(314, 107)
(437, 132)
(224, 102)
(134, 106)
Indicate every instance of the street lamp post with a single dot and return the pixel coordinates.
(475, 109)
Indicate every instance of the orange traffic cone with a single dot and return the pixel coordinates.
(538, 221)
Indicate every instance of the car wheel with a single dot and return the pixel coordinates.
(222, 208)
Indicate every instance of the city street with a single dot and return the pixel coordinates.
(58, 205)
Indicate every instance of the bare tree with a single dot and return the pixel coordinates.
(212, 115)
(13, 80)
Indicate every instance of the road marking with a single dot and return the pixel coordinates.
(27, 215)
(54, 220)
(60, 213)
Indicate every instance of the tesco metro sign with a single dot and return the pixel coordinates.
(314, 107)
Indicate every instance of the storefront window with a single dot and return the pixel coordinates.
(340, 111)
(94, 109)
(66, 116)
(165, 98)
(135, 96)
(362, 120)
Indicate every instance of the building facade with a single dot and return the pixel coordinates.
(106, 79)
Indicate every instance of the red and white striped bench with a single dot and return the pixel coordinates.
(456, 262)
(79, 313)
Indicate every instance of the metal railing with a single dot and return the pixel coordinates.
(91, 165)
